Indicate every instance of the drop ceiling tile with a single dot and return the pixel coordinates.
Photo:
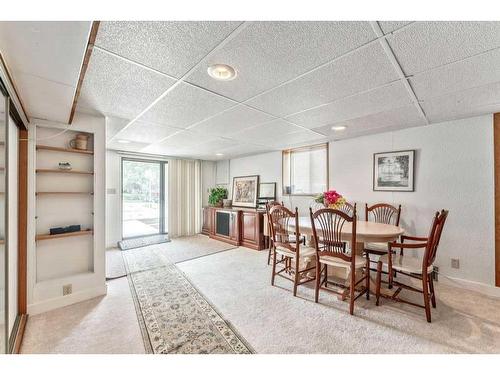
(468, 103)
(294, 139)
(132, 146)
(378, 100)
(269, 131)
(117, 88)
(395, 118)
(243, 149)
(472, 72)
(425, 45)
(361, 70)
(211, 147)
(45, 99)
(52, 50)
(184, 139)
(266, 54)
(390, 26)
(114, 125)
(170, 47)
(186, 105)
(232, 121)
(146, 132)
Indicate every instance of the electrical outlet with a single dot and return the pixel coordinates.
(455, 263)
(435, 273)
(67, 289)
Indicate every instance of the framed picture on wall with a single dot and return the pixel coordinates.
(245, 191)
(267, 190)
(394, 171)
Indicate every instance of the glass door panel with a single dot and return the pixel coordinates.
(3, 253)
(141, 198)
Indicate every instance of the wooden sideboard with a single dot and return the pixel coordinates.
(237, 226)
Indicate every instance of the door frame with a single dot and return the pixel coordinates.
(163, 197)
(496, 159)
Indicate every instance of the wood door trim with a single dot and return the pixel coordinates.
(22, 240)
(496, 156)
(16, 349)
(85, 64)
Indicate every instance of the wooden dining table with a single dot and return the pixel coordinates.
(366, 232)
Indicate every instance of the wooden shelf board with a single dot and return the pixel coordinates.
(63, 193)
(41, 237)
(62, 171)
(62, 149)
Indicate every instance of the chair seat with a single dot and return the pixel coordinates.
(304, 252)
(405, 263)
(359, 261)
(376, 247)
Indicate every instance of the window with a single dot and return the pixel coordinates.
(305, 170)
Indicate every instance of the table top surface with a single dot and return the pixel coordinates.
(363, 228)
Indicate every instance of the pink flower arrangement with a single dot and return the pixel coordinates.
(331, 199)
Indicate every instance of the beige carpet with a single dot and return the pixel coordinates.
(237, 282)
(114, 264)
(182, 249)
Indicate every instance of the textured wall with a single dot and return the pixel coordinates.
(454, 170)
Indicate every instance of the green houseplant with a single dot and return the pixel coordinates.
(216, 196)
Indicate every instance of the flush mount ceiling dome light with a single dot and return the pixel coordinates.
(339, 128)
(221, 72)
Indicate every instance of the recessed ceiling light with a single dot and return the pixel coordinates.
(219, 154)
(222, 72)
(339, 128)
(123, 141)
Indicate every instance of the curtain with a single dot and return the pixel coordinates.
(184, 197)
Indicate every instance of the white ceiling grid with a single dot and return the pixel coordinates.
(295, 80)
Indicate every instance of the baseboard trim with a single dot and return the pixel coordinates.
(20, 334)
(55, 303)
(489, 290)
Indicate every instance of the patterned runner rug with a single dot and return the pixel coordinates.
(173, 315)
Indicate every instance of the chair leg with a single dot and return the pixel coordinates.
(351, 287)
(269, 255)
(367, 277)
(318, 281)
(433, 294)
(274, 267)
(296, 278)
(326, 275)
(427, 304)
(379, 281)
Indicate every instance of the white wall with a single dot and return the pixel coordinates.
(113, 199)
(454, 171)
(46, 294)
(208, 177)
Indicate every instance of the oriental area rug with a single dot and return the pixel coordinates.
(173, 315)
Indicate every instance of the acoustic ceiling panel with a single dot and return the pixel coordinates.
(266, 54)
(425, 45)
(146, 132)
(118, 88)
(268, 131)
(475, 71)
(472, 102)
(361, 70)
(398, 118)
(232, 121)
(186, 105)
(170, 47)
(390, 26)
(377, 100)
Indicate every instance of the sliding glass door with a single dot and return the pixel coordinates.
(143, 198)
(3, 253)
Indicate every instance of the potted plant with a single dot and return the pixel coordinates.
(330, 199)
(216, 196)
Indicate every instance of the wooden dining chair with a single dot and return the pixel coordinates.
(381, 213)
(331, 250)
(413, 267)
(268, 206)
(347, 208)
(295, 256)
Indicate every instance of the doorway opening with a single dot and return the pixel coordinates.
(144, 203)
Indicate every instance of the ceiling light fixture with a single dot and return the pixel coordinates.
(221, 72)
(219, 154)
(339, 128)
(123, 141)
